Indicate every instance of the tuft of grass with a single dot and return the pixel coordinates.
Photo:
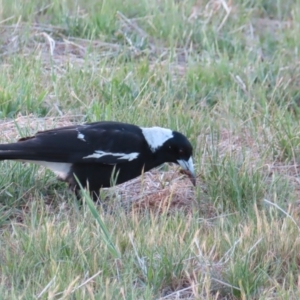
(232, 183)
(222, 72)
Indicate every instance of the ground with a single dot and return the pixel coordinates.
(224, 73)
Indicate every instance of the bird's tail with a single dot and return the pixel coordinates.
(30, 152)
(15, 152)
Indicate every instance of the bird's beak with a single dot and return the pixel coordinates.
(188, 166)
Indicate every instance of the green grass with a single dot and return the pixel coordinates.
(227, 77)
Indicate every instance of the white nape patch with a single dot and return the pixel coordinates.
(60, 169)
(128, 156)
(156, 136)
(80, 136)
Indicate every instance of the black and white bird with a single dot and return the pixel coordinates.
(91, 153)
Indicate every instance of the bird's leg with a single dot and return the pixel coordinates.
(96, 197)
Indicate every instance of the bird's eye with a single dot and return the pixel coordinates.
(181, 151)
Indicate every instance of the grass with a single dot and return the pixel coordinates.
(226, 74)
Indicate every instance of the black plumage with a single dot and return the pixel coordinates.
(94, 151)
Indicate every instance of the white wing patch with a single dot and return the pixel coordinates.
(128, 156)
(156, 136)
(80, 136)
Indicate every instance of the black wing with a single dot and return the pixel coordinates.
(101, 142)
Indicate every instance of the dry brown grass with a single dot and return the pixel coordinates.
(10, 128)
(159, 191)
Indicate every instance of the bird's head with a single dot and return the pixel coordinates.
(171, 146)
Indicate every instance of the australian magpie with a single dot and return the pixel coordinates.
(93, 152)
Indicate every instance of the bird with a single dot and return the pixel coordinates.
(90, 154)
